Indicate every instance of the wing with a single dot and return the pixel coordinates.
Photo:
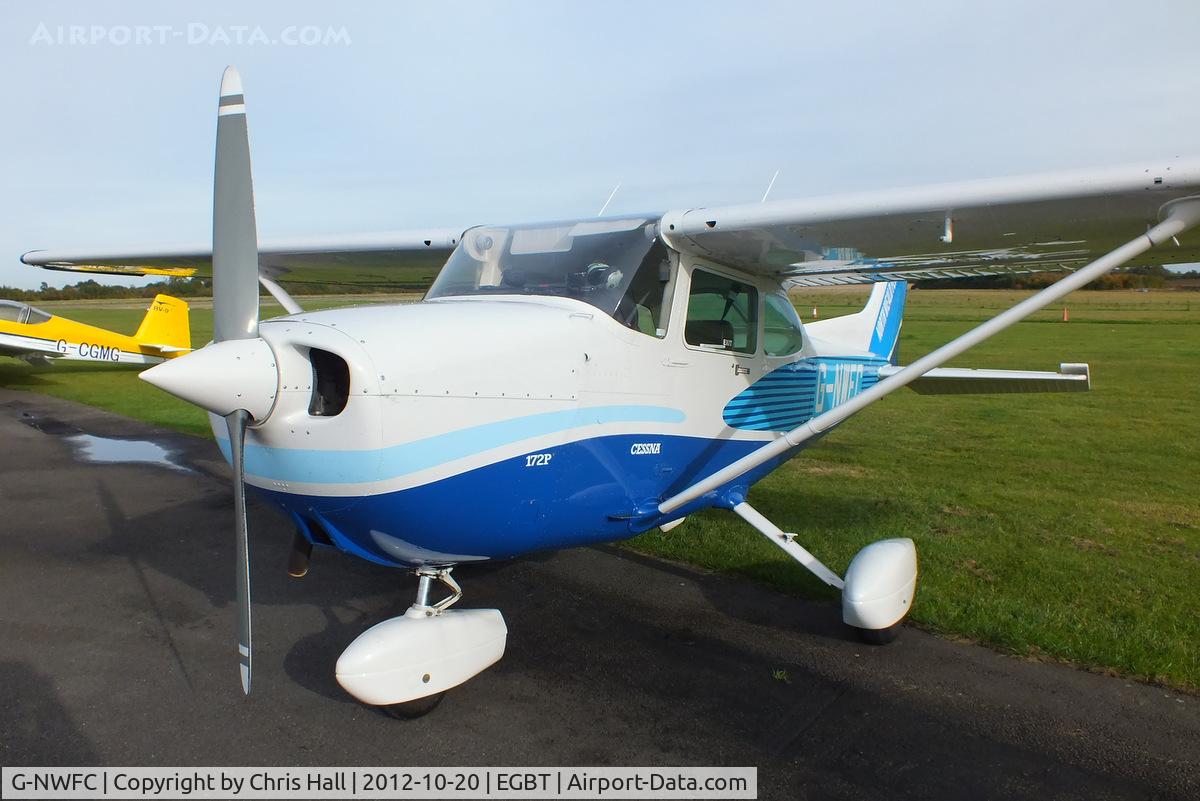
(399, 258)
(1024, 224)
(20, 347)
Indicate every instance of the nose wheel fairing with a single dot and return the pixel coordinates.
(414, 656)
(424, 652)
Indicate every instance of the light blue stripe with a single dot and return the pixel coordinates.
(750, 399)
(776, 418)
(785, 396)
(797, 377)
(737, 411)
(763, 408)
(883, 343)
(364, 466)
(773, 424)
(777, 391)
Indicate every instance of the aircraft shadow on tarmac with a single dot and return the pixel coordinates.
(352, 594)
(36, 722)
(555, 628)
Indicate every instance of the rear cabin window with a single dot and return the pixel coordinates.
(722, 313)
(781, 327)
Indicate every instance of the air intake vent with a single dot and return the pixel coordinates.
(331, 383)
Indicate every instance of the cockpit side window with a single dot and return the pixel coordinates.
(722, 313)
(781, 327)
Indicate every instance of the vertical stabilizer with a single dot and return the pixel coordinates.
(166, 324)
(874, 330)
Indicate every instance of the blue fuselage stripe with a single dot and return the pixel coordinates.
(365, 466)
(592, 490)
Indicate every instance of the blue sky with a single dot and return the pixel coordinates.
(455, 113)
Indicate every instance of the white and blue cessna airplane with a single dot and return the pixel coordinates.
(586, 380)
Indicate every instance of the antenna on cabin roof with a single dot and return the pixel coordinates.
(611, 195)
(769, 187)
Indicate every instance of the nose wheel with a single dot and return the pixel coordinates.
(420, 707)
(878, 636)
(411, 710)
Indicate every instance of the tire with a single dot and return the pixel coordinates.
(879, 636)
(416, 708)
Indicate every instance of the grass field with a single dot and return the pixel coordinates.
(1058, 527)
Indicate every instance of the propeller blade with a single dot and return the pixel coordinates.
(236, 423)
(235, 375)
(235, 236)
(235, 306)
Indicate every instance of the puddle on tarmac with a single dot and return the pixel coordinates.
(106, 450)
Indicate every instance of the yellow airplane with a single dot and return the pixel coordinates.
(39, 337)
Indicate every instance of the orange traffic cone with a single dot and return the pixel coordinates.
(1066, 315)
(814, 311)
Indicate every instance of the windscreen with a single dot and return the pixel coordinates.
(12, 312)
(36, 316)
(604, 262)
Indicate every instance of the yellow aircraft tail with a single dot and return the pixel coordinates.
(165, 325)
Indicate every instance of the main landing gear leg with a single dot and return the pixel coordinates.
(878, 589)
(406, 664)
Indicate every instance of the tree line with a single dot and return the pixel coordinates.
(1148, 277)
(91, 289)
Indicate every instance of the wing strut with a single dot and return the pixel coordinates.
(1181, 214)
(789, 545)
(280, 294)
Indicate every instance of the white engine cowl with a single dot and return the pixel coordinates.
(410, 657)
(880, 583)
